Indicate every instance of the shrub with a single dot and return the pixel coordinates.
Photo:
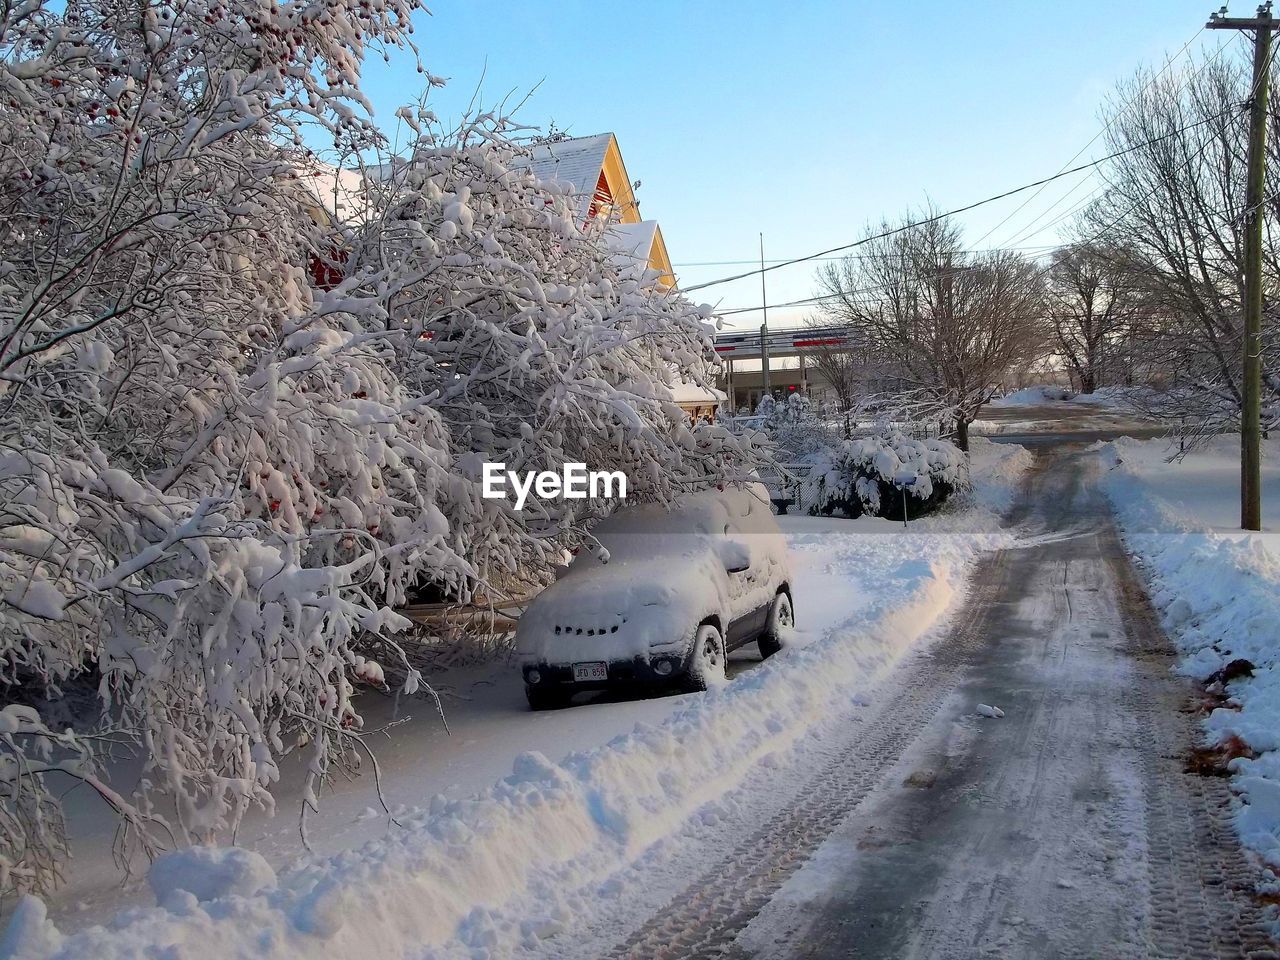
(884, 476)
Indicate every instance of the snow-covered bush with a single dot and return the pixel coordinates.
(794, 427)
(884, 476)
(233, 436)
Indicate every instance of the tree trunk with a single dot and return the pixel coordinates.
(1088, 382)
(962, 433)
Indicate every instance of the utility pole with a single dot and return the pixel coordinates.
(1251, 400)
(764, 327)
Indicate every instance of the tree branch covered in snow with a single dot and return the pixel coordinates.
(235, 434)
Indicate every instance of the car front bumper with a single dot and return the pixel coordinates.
(637, 671)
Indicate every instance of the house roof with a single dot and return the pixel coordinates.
(339, 191)
(685, 392)
(635, 239)
(576, 162)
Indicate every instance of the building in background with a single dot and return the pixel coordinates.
(593, 167)
(792, 368)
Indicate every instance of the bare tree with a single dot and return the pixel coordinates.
(1173, 218)
(940, 327)
(1088, 303)
(839, 364)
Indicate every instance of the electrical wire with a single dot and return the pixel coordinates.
(1227, 217)
(733, 263)
(949, 213)
(1092, 140)
(1031, 229)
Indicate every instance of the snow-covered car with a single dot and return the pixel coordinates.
(665, 601)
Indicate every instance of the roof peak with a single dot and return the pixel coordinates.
(568, 139)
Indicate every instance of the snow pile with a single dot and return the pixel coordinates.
(521, 861)
(996, 471)
(1118, 397)
(209, 873)
(861, 476)
(1219, 598)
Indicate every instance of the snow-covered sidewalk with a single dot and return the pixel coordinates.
(549, 850)
(1218, 593)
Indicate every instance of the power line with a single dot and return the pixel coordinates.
(1192, 158)
(1092, 140)
(1030, 230)
(949, 213)
(1224, 215)
(797, 303)
(731, 263)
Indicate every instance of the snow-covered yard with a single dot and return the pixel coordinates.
(1218, 592)
(544, 830)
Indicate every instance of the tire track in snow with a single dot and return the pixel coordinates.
(703, 920)
(1196, 900)
(1201, 885)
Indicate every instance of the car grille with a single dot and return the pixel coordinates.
(587, 630)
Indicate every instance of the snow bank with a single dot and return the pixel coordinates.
(452, 872)
(1218, 594)
(1119, 397)
(209, 873)
(996, 472)
(502, 870)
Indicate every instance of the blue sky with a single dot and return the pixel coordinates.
(804, 120)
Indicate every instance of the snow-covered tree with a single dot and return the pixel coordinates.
(203, 462)
(536, 344)
(232, 435)
(795, 430)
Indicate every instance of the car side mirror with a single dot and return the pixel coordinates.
(735, 556)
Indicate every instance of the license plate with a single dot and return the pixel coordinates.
(590, 671)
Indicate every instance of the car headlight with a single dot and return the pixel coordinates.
(532, 676)
(662, 668)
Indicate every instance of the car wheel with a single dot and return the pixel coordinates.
(708, 663)
(547, 698)
(780, 626)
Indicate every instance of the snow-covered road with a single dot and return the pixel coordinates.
(1068, 827)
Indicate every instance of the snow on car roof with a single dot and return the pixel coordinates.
(706, 513)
